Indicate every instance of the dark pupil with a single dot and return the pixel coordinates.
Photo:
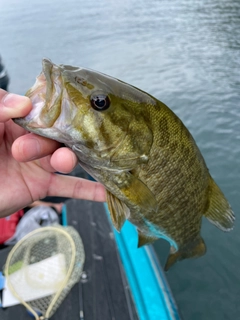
(100, 102)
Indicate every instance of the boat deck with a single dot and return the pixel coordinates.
(103, 292)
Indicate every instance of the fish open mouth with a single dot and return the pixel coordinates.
(45, 96)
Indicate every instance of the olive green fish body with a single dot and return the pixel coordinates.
(153, 171)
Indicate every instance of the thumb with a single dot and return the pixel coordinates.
(13, 106)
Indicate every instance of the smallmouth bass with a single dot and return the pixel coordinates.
(153, 171)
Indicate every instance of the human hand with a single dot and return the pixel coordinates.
(28, 163)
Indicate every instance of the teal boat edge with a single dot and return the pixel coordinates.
(149, 287)
(64, 215)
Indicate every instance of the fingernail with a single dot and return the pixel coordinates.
(11, 100)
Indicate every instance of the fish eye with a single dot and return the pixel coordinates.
(100, 102)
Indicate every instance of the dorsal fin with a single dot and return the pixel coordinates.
(219, 211)
(118, 210)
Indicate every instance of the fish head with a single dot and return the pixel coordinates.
(101, 118)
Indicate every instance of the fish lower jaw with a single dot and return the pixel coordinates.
(29, 125)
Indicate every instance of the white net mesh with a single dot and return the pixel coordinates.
(42, 268)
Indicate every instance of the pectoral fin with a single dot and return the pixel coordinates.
(143, 239)
(193, 250)
(118, 210)
(135, 193)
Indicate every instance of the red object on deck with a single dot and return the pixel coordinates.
(8, 225)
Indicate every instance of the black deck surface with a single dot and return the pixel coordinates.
(102, 293)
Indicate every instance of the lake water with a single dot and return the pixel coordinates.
(187, 54)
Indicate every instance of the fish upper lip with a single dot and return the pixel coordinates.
(53, 78)
(47, 66)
